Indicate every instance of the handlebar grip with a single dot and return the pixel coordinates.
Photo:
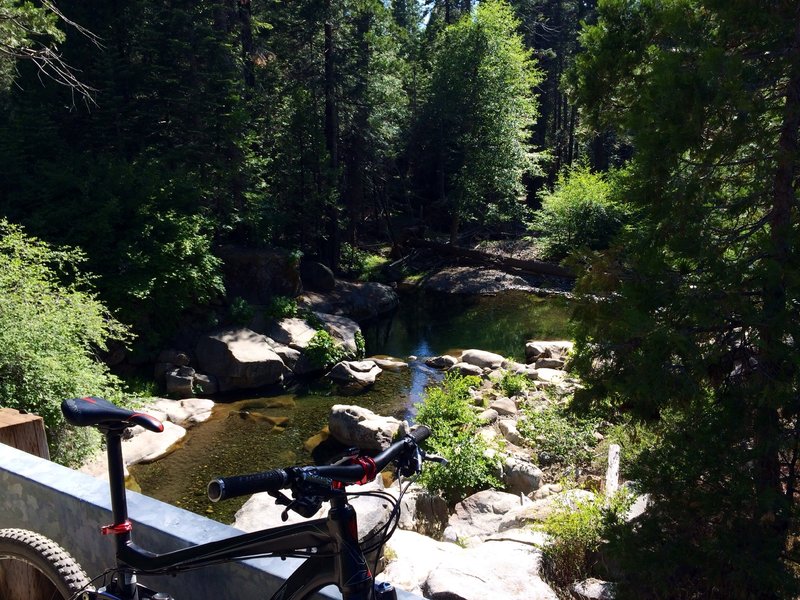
(420, 434)
(244, 485)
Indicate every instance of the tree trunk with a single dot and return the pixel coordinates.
(773, 509)
(246, 37)
(355, 187)
(331, 141)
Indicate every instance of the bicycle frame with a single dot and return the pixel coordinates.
(340, 559)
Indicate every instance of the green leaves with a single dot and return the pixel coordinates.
(454, 435)
(51, 327)
(687, 320)
(478, 116)
(578, 214)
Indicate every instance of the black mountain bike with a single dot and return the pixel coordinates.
(333, 553)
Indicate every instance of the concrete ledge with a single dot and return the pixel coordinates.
(69, 507)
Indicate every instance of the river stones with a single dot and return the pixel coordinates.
(354, 376)
(240, 358)
(482, 359)
(356, 426)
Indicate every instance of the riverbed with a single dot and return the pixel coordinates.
(248, 434)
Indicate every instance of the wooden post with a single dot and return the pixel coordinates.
(24, 432)
(612, 475)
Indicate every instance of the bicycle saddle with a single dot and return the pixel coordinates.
(92, 410)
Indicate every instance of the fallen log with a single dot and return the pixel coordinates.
(536, 267)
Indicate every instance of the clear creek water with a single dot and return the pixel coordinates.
(253, 434)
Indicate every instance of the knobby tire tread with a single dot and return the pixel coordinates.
(45, 556)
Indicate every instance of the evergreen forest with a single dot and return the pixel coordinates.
(649, 146)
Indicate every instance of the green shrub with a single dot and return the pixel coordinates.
(513, 384)
(361, 345)
(558, 436)
(241, 311)
(359, 264)
(323, 351)
(50, 329)
(447, 411)
(310, 317)
(577, 213)
(282, 307)
(577, 528)
(633, 438)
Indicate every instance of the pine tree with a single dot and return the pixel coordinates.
(693, 319)
(475, 128)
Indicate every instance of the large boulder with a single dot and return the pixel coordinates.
(354, 376)
(292, 332)
(482, 359)
(539, 510)
(465, 369)
(317, 277)
(506, 569)
(521, 476)
(342, 329)
(240, 359)
(360, 301)
(537, 349)
(480, 515)
(422, 511)
(257, 275)
(179, 381)
(356, 426)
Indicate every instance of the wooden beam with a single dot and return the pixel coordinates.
(24, 432)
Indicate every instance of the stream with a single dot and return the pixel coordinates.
(248, 434)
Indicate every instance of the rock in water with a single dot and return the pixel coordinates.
(240, 359)
(356, 426)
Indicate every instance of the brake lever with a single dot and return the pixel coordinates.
(435, 458)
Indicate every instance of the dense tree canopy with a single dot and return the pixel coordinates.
(694, 316)
(476, 127)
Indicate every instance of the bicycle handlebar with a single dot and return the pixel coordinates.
(279, 479)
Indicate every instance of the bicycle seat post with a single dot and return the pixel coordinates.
(121, 526)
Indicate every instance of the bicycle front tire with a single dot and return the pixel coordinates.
(34, 567)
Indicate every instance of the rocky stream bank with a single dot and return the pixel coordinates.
(486, 546)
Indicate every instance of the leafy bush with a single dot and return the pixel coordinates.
(323, 351)
(558, 436)
(282, 307)
(577, 213)
(577, 528)
(361, 345)
(358, 263)
(446, 410)
(633, 437)
(50, 329)
(513, 384)
(242, 311)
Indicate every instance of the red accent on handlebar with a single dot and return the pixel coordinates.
(117, 529)
(370, 469)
